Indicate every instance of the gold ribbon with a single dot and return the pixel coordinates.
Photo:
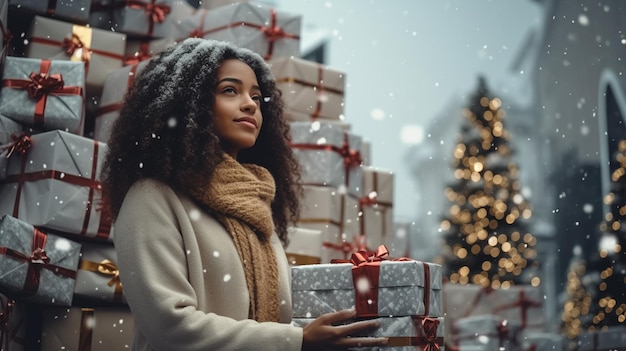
(299, 259)
(107, 268)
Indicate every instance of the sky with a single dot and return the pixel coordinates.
(406, 60)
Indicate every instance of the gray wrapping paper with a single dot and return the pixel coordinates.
(62, 111)
(53, 288)
(316, 147)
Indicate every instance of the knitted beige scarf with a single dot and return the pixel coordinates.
(240, 197)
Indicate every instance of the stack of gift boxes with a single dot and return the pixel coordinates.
(484, 318)
(65, 69)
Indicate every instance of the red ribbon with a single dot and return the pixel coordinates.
(72, 44)
(37, 260)
(117, 105)
(104, 226)
(503, 332)
(272, 33)
(40, 85)
(142, 54)
(366, 265)
(351, 157)
(429, 327)
(86, 50)
(21, 143)
(524, 303)
(155, 12)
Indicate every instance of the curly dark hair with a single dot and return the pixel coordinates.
(165, 128)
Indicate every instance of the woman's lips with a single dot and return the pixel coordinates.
(247, 121)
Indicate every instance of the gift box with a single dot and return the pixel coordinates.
(520, 305)
(305, 246)
(405, 333)
(310, 89)
(335, 215)
(611, 339)
(141, 50)
(211, 4)
(45, 94)
(76, 11)
(373, 288)
(115, 87)
(376, 207)
(143, 18)
(55, 184)
(101, 50)
(12, 327)
(35, 266)
(9, 129)
(81, 328)
(328, 155)
(258, 27)
(98, 277)
(484, 332)
(546, 341)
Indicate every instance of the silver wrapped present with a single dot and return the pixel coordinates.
(46, 94)
(38, 267)
(55, 184)
(98, 277)
(484, 332)
(328, 155)
(373, 288)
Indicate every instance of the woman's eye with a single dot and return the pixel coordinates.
(229, 90)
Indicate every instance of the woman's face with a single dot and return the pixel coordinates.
(237, 107)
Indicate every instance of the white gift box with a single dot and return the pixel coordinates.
(258, 27)
(143, 18)
(328, 155)
(310, 90)
(520, 305)
(115, 87)
(55, 184)
(305, 246)
(101, 50)
(98, 277)
(335, 215)
(376, 206)
(403, 288)
(484, 332)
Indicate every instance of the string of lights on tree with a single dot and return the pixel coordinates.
(575, 314)
(486, 241)
(609, 305)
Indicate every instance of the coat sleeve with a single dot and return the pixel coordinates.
(152, 263)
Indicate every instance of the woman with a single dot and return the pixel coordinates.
(202, 186)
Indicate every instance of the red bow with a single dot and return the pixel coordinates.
(363, 256)
(20, 144)
(273, 33)
(43, 84)
(73, 44)
(157, 12)
(429, 326)
(351, 157)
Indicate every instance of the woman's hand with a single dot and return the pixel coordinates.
(323, 334)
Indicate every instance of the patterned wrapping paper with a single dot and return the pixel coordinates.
(143, 18)
(8, 127)
(55, 184)
(310, 89)
(406, 333)
(82, 328)
(101, 50)
(269, 32)
(484, 332)
(328, 155)
(115, 87)
(376, 206)
(521, 305)
(399, 291)
(305, 246)
(76, 11)
(58, 103)
(98, 277)
(38, 267)
(12, 329)
(336, 216)
(607, 340)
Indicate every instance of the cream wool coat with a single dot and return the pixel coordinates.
(184, 281)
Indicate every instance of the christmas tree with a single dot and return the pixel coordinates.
(575, 314)
(486, 236)
(609, 303)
